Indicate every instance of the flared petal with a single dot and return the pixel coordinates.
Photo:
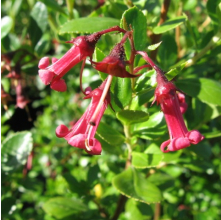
(61, 131)
(44, 63)
(175, 144)
(59, 85)
(95, 147)
(194, 136)
(46, 76)
(78, 141)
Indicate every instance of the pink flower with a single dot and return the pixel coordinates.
(82, 134)
(172, 105)
(52, 74)
(114, 64)
(180, 137)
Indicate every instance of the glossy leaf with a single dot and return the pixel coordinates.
(137, 210)
(15, 150)
(146, 80)
(88, 25)
(110, 135)
(142, 160)
(135, 18)
(6, 25)
(132, 184)
(128, 117)
(175, 71)
(169, 24)
(211, 8)
(38, 22)
(204, 89)
(212, 134)
(99, 56)
(151, 129)
(154, 120)
(61, 207)
(122, 91)
(39, 14)
(53, 5)
(154, 46)
(167, 52)
(151, 157)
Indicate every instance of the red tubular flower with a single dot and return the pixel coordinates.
(82, 134)
(114, 64)
(172, 105)
(83, 47)
(180, 137)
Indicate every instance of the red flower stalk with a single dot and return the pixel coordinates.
(83, 46)
(166, 96)
(114, 64)
(82, 134)
(21, 99)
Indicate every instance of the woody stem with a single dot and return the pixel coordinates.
(101, 101)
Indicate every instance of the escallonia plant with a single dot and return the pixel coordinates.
(82, 133)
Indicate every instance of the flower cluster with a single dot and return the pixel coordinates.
(82, 133)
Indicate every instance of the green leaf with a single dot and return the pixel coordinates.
(151, 129)
(53, 5)
(151, 157)
(137, 210)
(38, 22)
(167, 53)
(142, 160)
(88, 25)
(6, 25)
(99, 56)
(169, 24)
(172, 157)
(218, 12)
(154, 120)
(128, 117)
(204, 89)
(110, 135)
(40, 15)
(43, 45)
(132, 184)
(15, 7)
(135, 18)
(15, 150)
(212, 134)
(61, 207)
(202, 149)
(146, 80)
(175, 71)
(211, 8)
(122, 91)
(154, 46)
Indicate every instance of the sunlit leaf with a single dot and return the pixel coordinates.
(169, 24)
(15, 150)
(132, 184)
(88, 25)
(61, 207)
